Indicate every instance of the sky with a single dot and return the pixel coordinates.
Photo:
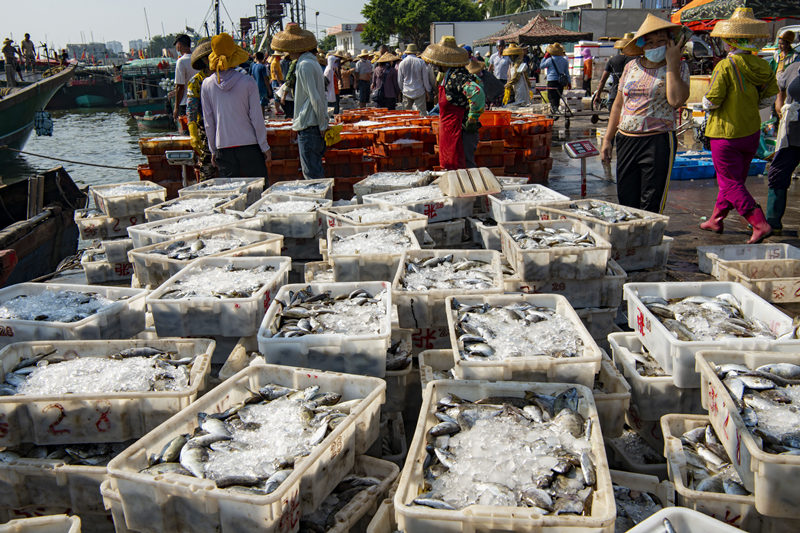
(112, 20)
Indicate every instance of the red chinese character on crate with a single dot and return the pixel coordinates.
(640, 321)
(430, 209)
(423, 338)
(123, 269)
(266, 300)
(103, 424)
(778, 292)
(713, 409)
(730, 518)
(291, 513)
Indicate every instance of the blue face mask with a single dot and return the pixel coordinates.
(656, 55)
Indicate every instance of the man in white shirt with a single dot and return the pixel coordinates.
(183, 74)
(499, 64)
(414, 81)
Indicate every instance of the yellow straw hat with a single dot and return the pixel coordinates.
(388, 57)
(513, 50)
(411, 49)
(742, 25)
(294, 39)
(446, 53)
(199, 54)
(620, 44)
(475, 66)
(365, 53)
(651, 23)
(225, 53)
(556, 49)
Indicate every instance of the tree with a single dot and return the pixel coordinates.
(410, 20)
(327, 43)
(496, 8)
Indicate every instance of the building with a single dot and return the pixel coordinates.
(348, 37)
(87, 51)
(115, 47)
(137, 44)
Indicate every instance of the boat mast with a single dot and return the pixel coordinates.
(216, 16)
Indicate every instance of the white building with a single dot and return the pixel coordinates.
(137, 44)
(87, 51)
(348, 37)
(114, 47)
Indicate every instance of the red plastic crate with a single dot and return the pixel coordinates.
(281, 137)
(355, 139)
(496, 118)
(289, 151)
(494, 160)
(489, 148)
(343, 187)
(529, 141)
(388, 136)
(336, 157)
(494, 133)
(405, 149)
(400, 163)
(533, 154)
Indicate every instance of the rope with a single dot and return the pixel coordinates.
(4, 147)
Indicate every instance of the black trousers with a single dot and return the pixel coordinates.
(644, 166)
(554, 90)
(239, 161)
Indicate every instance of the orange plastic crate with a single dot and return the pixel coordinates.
(289, 151)
(336, 157)
(494, 133)
(388, 136)
(489, 148)
(281, 137)
(355, 139)
(529, 141)
(405, 149)
(495, 118)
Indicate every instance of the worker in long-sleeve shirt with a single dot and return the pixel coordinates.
(194, 110)
(414, 80)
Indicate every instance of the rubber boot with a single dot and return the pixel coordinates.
(714, 222)
(776, 207)
(761, 228)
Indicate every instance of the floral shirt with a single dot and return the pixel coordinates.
(645, 108)
(194, 111)
(463, 89)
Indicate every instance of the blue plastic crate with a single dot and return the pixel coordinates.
(691, 169)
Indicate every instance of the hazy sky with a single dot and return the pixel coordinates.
(113, 20)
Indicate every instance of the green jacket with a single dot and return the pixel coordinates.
(738, 83)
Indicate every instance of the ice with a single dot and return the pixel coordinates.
(299, 187)
(406, 141)
(127, 188)
(169, 138)
(95, 375)
(290, 206)
(222, 282)
(88, 213)
(709, 322)
(54, 305)
(193, 204)
(445, 276)
(408, 196)
(384, 240)
(636, 448)
(633, 506)
(534, 194)
(399, 179)
(176, 226)
(226, 186)
(376, 213)
(366, 123)
(351, 318)
(392, 128)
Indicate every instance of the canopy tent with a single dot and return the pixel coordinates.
(540, 31)
(496, 36)
(702, 15)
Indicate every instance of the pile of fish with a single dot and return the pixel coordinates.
(252, 447)
(374, 213)
(55, 305)
(208, 186)
(446, 272)
(71, 454)
(314, 188)
(534, 194)
(543, 237)
(178, 225)
(398, 179)
(512, 452)
(220, 282)
(606, 212)
(495, 332)
(646, 364)
(633, 506)
(708, 467)
(306, 313)
(141, 369)
(193, 204)
(768, 399)
(376, 240)
(291, 206)
(324, 517)
(186, 250)
(705, 318)
(417, 194)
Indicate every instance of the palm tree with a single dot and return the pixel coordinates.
(495, 8)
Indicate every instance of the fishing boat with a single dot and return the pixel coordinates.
(38, 226)
(143, 85)
(19, 105)
(99, 86)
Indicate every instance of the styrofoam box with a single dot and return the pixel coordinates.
(567, 262)
(101, 417)
(438, 210)
(447, 233)
(599, 321)
(580, 369)
(645, 231)
(488, 237)
(652, 396)
(103, 227)
(682, 519)
(664, 491)
(117, 249)
(121, 319)
(323, 188)
(496, 518)
(513, 211)
(772, 478)
(303, 225)
(186, 504)
(433, 360)
(644, 256)
(171, 228)
(122, 205)
(678, 357)
(632, 463)
(366, 266)
(232, 317)
(426, 309)
(152, 269)
(369, 186)
(252, 187)
(775, 280)
(43, 524)
(339, 216)
(612, 402)
(222, 203)
(708, 256)
(397, 380)
(357, 354)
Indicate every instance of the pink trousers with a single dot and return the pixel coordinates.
(732, 159)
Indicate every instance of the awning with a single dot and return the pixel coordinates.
(508, 29)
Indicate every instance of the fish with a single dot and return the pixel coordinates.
(605, 211)
(391, 239)
(220, 282)
(55, 305)
(542, 237)
(447, 272)
(72, 454)
(324, 517)
(709, 468)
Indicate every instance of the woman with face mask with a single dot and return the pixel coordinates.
(740, 84)
(644, 115)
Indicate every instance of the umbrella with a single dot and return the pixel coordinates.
(702, 15)
(496, 36)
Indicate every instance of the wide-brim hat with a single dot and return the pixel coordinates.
(225, 53)
(620, 43)
(446, 53)
(276, 53)
(475, 66)
(341, 54)
(412, 49)
(514, 50)
(556, 49)
(365, 53)
(742, 25)
(651, 23)
(388, 57)
(200, 55)
(294, 39)
(7, 41)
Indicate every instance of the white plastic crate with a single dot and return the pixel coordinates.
(682, 519)
(772, 478)
(563, 262)
(366, 266)
(122, 205)
(117, 249)
(664, 491)
(397, 381)
(232, 317)
(43, 524)
(426, 309)
(613, 401)
(644, 256)
(652, 397)
(537, 368)
(708, 256)
(98, 272)
(321, 271)
(645, 231)
(176, 227)
(319, 188)
(678, 357)
(341, 216)
(107, 417)
(447, 233)
(412, 518)
(121, 319)
(620, 458)
(113, 504)
(383, 520)
(172, 209)
(377, 182)
(599, 321)
(251, 187)
(98, 226)
(356, 354)
(513, 211)
(302, 225)
(437, 210)
(152, 269)
(187, 504)
(431, 361)
(488, 237)
(775, 280)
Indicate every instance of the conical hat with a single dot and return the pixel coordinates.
(365, 53)
(201, 52)
(651, 23)
(446, 53)
(620, 44)
(742, 25)
(388, 57)
(513, 50)
(556, 49)
(294, 39)
(475, 66)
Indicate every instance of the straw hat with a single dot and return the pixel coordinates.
(321, 59)
(364, 53)
(446, 53)
(412, 49)
(341, 54)
(620, 44)
(7, 41)
(475, 66)
(513, 50)
(388, 57)
(788, 36)
(200, 55)
(651, 23)
(225, 53)
(294, 39)
(276, 53)
(742, 25)
(556, 49)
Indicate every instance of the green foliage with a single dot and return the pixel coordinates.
(496, 8)
(410, 20)
(327, 43)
